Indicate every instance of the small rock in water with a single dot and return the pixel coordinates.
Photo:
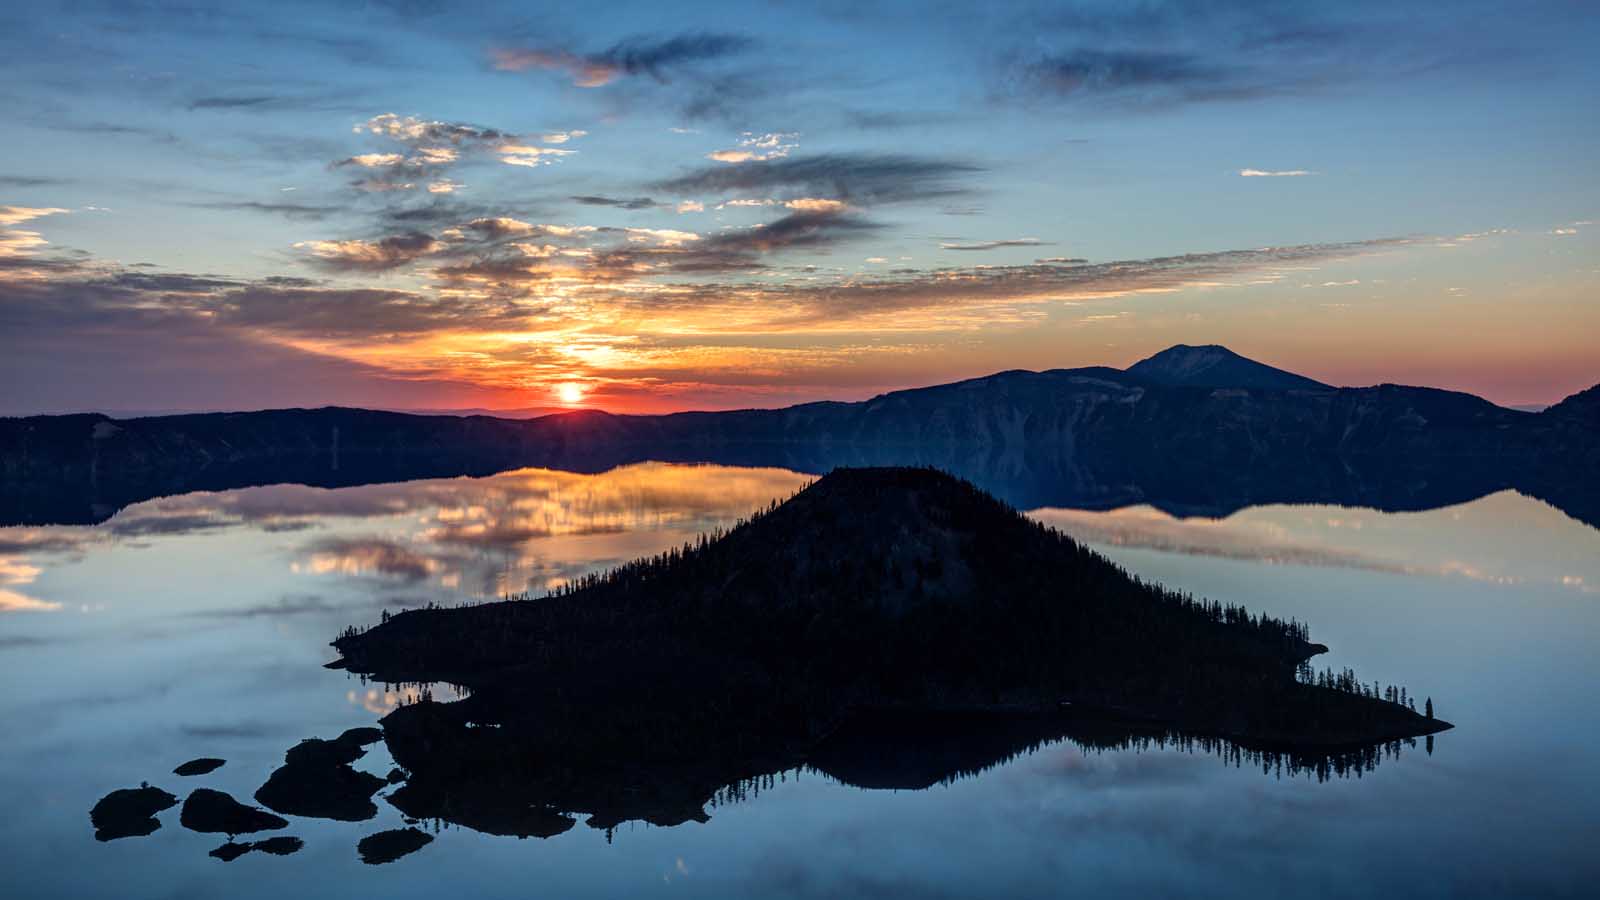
(130, 812)
(201, 766)
(277, 846)
(317, 780)
(388, 846)
(215, 812)
(230, 851)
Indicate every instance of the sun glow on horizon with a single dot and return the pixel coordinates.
(570, 393)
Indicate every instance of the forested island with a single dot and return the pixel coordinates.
(887, 591)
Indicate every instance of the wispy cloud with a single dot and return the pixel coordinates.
(993, 245)
(753, 147)
(852, 178)
(656, 58)
(1279, 173)
(617, 202)
(299, 211)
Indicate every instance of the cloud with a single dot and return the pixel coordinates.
(529, 155)
(299, 211)
(507, 299)
(651, 57)
(257, 103)
(12, 601)
(232, 102)
(971, 297)
(854, 178)
(618, 202)
(775, 145)
(16, 215)
(689, 206)
(412, 130)
(1100, 72)
(17, 244)
(993, 245)
(1281, 173)
(23, 181)
(371, 256)
(373, 160)
(666, 237)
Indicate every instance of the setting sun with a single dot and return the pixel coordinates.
(569, 392)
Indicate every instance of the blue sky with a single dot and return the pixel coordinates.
(654, 206)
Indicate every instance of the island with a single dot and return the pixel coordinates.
(873, 593)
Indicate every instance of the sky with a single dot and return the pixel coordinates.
(660, 206)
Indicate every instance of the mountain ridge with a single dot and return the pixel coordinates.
(1092, 431)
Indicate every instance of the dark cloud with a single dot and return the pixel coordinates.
(618, 202)
(173, 282)
(296, 211)
(431, 215)
(353, 313)
(858, 178)
(270, 102)
(652, 57)
(992, 289)
(648, 56)
(372, 256)
(1154, 55)
(1145, 78)
(19, 641)
(798, 230)
(234, 102)
(1088, 71)
(166, 525)
(295, 605)
(30, 181)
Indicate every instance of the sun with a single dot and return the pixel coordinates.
(569, 392)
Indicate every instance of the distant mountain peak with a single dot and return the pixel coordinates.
(1215, 366)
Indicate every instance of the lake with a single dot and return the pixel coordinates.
(198, 625)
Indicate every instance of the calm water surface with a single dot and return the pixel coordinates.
(198, 625)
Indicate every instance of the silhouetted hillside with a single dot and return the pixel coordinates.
(1089, 437)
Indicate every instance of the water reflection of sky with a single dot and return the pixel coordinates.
(197, 625)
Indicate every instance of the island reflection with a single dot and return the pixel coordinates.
(496, 793)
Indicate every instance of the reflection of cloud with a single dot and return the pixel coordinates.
(383, 702)
(1504, 538)
(15, 573)
(364, 556)
(17, 641)
(286, 606)
(11, 601)
(1148, 528)
(244, 730)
